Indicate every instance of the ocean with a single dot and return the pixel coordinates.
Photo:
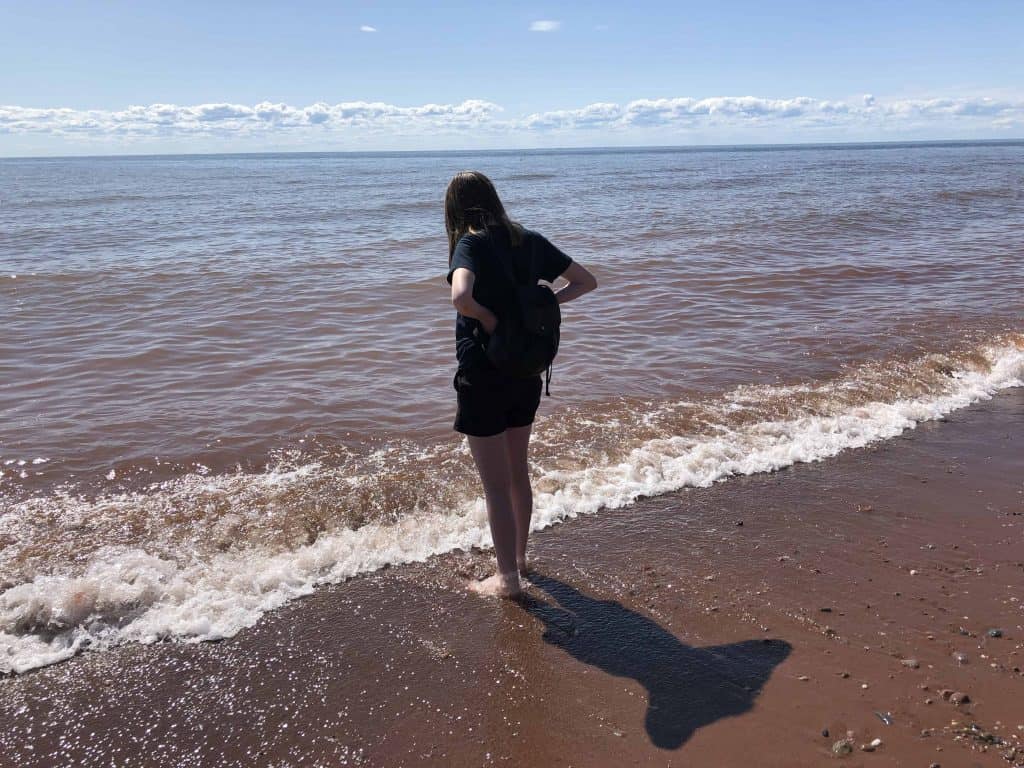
(225, 380)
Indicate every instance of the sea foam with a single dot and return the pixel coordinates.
(126, 594)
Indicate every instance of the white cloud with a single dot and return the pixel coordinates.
(752, 111)
(478, 123)
(367, 28)
(165, 119)
(545, 25)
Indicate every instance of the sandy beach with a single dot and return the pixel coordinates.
(876, 595)
(275, 317)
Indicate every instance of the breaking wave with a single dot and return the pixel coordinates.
(202, 557)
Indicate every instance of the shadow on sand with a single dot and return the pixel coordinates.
(687, 687)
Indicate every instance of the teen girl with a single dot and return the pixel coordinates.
(496, 411)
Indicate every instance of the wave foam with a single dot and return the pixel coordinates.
(129, 595)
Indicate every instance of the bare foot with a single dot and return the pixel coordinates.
(498, 585)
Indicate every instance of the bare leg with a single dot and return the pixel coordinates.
(491, 459)
(518, 444)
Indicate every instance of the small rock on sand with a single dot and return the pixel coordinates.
(842, 748)
(959, 698)
(912, 663)
(995, 633)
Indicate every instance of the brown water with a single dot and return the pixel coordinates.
(235, 370)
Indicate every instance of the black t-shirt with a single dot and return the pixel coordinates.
(478, 253)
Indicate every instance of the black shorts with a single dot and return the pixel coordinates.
(490, 403)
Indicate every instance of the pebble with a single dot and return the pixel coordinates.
(876, 743)
(959, 698)
(842, 748)
(995, 633)
(912, 663)
(824, 733)
(960, 658)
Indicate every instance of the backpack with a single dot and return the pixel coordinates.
(526, 340)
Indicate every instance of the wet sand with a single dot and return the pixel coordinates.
(729, 626)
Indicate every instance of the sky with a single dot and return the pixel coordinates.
(144, 77)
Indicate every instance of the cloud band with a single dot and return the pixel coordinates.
(359, 118)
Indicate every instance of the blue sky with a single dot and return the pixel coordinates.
(524, 74)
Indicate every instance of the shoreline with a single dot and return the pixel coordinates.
(734, 609)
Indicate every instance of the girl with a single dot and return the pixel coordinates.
(495, 411)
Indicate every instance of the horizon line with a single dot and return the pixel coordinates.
(507, 150)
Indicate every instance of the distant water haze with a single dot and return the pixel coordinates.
(226, 379)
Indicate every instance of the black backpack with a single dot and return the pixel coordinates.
(526, 340)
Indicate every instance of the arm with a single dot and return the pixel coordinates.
(581, 281)
(463, 301)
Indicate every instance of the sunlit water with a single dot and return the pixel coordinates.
(225, 379)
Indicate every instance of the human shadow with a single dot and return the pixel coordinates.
(687, 687)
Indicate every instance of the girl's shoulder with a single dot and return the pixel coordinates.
(472, 240)
(528, 235)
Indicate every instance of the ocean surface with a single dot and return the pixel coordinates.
(227, 379)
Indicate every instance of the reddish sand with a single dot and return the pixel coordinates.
(729, 626)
